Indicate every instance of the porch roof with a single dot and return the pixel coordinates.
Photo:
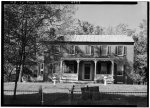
(98, 38)
(89, 59)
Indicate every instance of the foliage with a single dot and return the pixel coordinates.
(25, 25)
(140, 50)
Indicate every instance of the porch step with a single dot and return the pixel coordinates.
(84, 82)
(77, 82)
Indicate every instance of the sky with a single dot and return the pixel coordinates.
(112, 15)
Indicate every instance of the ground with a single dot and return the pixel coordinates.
(59, 94)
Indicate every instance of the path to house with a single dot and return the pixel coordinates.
(64, 87)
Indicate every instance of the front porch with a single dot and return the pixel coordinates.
(86, 69)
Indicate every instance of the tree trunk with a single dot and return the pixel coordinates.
(22, 67)
(17, 76)
(20, 74)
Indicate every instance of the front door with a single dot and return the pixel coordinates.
(87, 71)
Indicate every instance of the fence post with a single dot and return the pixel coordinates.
(41, 95)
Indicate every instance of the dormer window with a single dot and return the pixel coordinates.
(88, 50)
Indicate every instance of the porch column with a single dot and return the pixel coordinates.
(112, 68)
(95, 61)
(61, 63)
(61, 69)
(78, 61)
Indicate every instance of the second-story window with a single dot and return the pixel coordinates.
(57, 49)
(120, 50)
(103, 50)
(71, 49)
(88, 50)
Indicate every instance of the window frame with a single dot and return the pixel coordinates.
(90, 49)
(101, 50)
(70, 49)
(122, 50)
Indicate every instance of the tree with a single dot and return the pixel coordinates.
(98, 30)
(84, 28)
(140, 51)
(26, 24)
(23, 26)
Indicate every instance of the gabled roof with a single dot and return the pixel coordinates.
(98, 38)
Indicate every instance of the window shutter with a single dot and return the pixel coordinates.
(92, 50)
(109, 50)
(76, 49)
(125, 50)
(73, 49)
(100, 50)
(116, 50)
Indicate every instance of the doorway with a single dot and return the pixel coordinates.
(87, 72)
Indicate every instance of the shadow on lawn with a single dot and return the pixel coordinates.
(56, 99)
(111, 100)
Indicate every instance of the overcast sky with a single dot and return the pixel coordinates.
(111, 15)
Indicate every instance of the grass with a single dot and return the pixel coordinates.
(59, 94)
(49, 87)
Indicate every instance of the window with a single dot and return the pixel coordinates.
(88, 49)
(121, 50)
(57, 49)
(120, 70)
(69, 68)
(104, 50)
(71, 49)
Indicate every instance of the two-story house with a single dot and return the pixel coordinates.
(91, 57)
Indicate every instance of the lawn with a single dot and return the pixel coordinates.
(59, 94)
(50, 88)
